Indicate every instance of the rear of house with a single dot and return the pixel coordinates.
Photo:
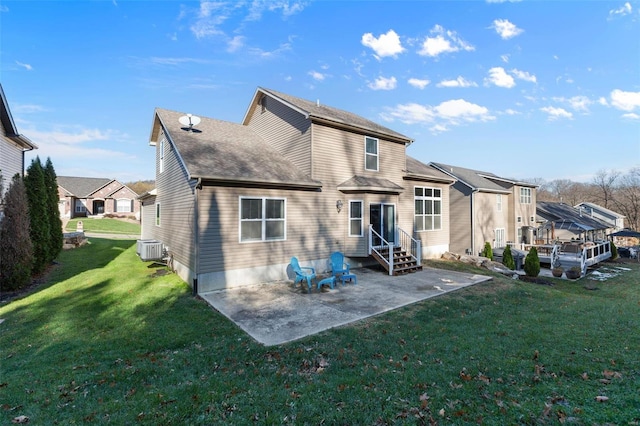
(234, 202)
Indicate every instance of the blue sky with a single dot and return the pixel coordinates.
(528, 89)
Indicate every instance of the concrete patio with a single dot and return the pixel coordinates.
(277, 313)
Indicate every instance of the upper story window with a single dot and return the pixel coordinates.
(428, 208)
(355, 218)
(371, 154)
(525, 195)
(499, 202)
(162, 154)
(262, 219)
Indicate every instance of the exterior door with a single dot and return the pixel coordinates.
(383, 219)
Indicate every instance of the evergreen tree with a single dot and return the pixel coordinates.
(16, 250)
(532, 263)
(507, 258)
(38, 215)
(614, 251)
(55, 225)
(488, 251)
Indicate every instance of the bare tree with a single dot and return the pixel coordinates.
(604, 182)
(627, 198)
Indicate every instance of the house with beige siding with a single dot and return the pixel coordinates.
(235, 201)
(12, 145)
(488, 208)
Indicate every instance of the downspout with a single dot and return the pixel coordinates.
(196, 236)
(473, 224)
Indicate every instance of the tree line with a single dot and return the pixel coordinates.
(610, 189)
(30, 226)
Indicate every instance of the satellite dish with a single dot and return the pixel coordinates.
(189, 120)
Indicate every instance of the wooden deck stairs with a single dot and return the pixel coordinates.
(403, 263)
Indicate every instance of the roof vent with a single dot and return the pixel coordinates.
(189, 121)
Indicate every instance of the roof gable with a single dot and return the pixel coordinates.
(327, 115)
(228, 152)
(421, 171)
(82, 187)
(9, 125)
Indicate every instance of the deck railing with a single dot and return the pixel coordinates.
(410, 245)
(572, 254)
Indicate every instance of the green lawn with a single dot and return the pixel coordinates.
(110, 339)
(104, 226)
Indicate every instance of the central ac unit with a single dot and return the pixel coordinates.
(151, 250)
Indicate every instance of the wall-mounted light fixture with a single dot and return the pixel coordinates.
(339, 205)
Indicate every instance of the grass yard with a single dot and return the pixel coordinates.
(105, 226)
(111, 339)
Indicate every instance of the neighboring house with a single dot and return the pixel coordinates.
(84, 197)
(616, 220)
(488, 208)
(234, 202)
(12, 145)
(562, 222)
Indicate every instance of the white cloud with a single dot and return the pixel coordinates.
(631, 116)
(603, 101)
(382, 83)
(317, 75)
(523, 75)
(499, 77)
(386, 45)
(505, 58)
(623, 10)
(28, 67)
(288, 8)
(235, 43)
(442, 117)
(27, 109)
(443, 42)
(419, 83)
(176, 61)
(556, 113)
(626, 101)
(506, 29)
(510, 111)
(578, 103)
(458, 82)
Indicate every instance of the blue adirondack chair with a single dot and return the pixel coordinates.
(338, 266)
(302, 272)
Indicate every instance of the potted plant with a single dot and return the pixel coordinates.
(556, 268)
(574, 273)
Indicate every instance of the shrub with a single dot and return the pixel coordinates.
(53, 212)
(38, 215)
(614, 251)
(507, 258)
(16, 250)
(487, 252)
(532, 263)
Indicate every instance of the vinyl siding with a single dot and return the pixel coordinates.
(526, 211)
(148, 218)
(460, 218)
(338, 155)
(175, 195)
(435, 242)
(487, 219)
(10, 160)
(286, 130)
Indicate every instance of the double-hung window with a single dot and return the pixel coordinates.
(428, 208)
(525, 195)
(371, 154)
(355, 218)
(158, 214)
(499, 202)
(81, 207)
(262, 219)
(500, 238)
(124, 205)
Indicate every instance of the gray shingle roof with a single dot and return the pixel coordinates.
(312, 109)
(9, 125)
(477, 179)
(224, 151)
(419, 169)
(81, 187)
(363, 183)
